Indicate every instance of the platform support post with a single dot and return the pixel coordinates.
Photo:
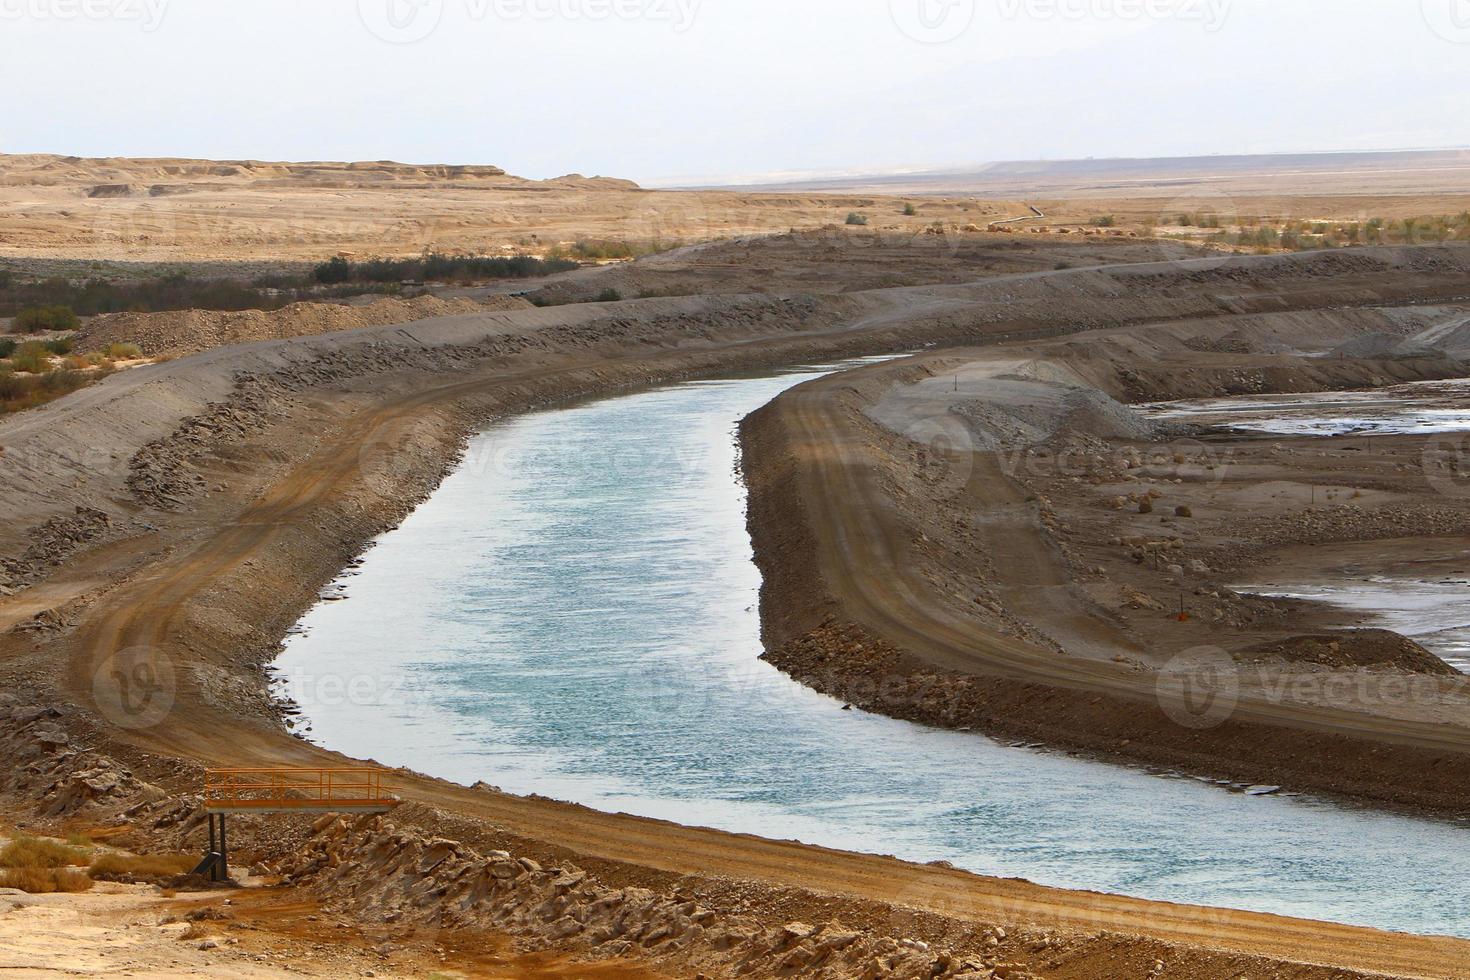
(224, 852)
(217, 862)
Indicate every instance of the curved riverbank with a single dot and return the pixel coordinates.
(928, 583)
(238, 483)
(573, 613)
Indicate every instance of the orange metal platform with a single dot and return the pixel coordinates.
(296, 791)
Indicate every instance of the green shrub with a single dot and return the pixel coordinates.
(21, 391)
(597, 250)
(7, 347)
(31, 356)
(38, 319)
(123, 352)
(1105, 220)
(61, 346)
(854, 218)
(336, 269)
(444, 268)
(909, 210)
(609, 295)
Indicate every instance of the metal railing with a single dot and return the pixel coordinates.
(295, 789)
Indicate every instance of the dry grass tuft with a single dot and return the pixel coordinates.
(152, 868)
(45, 881)
(27, 853)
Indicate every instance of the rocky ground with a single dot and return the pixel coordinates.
(237, 482)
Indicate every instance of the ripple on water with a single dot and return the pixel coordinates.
(573, 613)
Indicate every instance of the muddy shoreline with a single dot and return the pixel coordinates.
(280, 500)
(813, 634)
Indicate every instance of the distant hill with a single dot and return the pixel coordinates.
(124, 176)
(1409, 171)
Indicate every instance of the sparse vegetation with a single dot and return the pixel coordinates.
(42, 881)
(150, 868)
(174, 291)
(123, 352)
(32, 357)
(334, 270)
(1105, 220)
(854, 218)
(1296, 235)
(20, 392)
(595, 250)
(437, 268)
(609, 295)
(909, 210)
(31, 853)
(1199, 219)
(40, 319)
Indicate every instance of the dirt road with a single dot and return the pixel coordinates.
(234, 569)
(148, 612)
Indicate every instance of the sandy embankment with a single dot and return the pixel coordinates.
(1002, 565)
(234, 484)
(183, 332)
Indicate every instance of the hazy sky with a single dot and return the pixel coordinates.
(657, 90)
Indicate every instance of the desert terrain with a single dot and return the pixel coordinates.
(244, 212)
(984, 524)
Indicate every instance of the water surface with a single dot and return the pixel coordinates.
(574, 614)
(1421, 408)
